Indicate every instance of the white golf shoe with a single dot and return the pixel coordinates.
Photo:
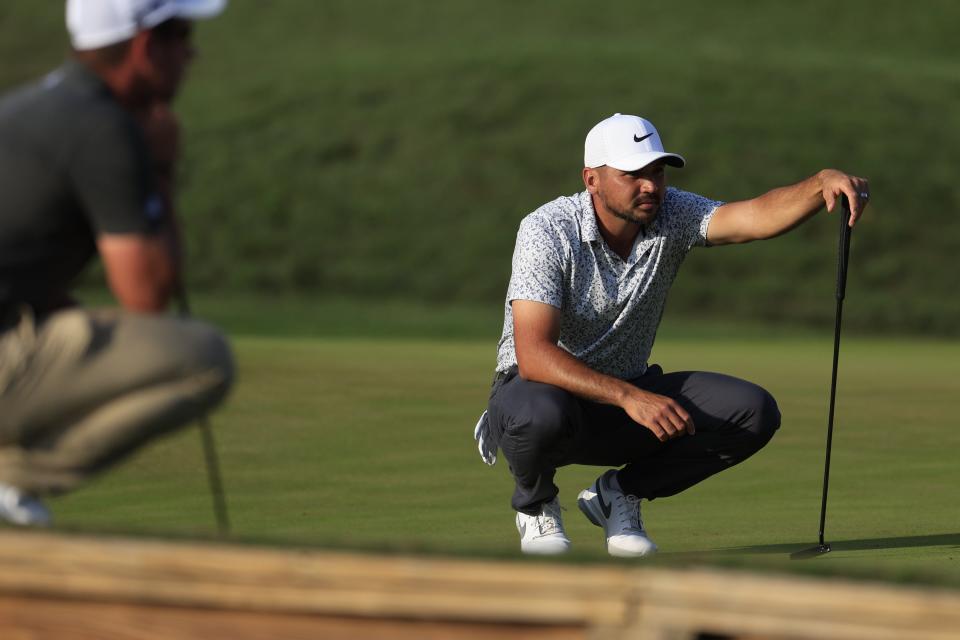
(21, 509)
(619, 516)
(543, 534)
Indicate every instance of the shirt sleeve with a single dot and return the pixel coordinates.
(693, 214)
(538, 273)
(112, 175)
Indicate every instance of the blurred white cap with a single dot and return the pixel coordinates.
(99, 23)
(627, 143)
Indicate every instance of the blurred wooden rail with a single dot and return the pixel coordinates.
(58, 586)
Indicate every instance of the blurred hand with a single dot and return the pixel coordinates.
(161, 129)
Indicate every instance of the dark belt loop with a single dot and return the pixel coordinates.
(501, 377)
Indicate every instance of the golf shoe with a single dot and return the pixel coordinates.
(606, 506)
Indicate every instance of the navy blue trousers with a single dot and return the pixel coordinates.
(543, 427)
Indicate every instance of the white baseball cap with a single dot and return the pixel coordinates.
(99, 23)
(627, 143)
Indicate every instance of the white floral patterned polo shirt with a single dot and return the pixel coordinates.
(610, 308)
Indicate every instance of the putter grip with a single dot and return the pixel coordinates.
(843, 253)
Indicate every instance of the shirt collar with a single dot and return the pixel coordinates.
(589, 232)
(78, 76)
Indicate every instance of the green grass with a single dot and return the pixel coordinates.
(365, 443)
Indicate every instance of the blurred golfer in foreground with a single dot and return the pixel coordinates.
(591, 273)
(87, 159)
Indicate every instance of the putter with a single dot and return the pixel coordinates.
(843, 255)
(209, 446)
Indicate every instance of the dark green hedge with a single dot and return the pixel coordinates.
(390, 149)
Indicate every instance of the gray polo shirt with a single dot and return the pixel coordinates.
(73, 165)
(610, 308)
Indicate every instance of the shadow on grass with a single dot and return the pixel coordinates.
(936, 540)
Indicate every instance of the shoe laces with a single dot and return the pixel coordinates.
(628, 511)
(549, 520)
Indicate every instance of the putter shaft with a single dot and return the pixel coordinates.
(842, 258)
(843, 255)
(209, 445)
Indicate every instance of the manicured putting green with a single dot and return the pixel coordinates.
(366, 443)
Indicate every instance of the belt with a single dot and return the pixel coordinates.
(499, 376)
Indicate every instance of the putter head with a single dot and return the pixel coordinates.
(812, 552)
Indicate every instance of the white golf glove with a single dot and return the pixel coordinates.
(486, 443)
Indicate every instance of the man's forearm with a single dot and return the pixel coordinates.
(550, 364)
(170, 229)
(162, 131)
(784, 208)
(780, 210)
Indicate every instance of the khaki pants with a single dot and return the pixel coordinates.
(82, 389)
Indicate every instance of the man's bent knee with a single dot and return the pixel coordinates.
(765, 418)
(209, 360)
(544, 417)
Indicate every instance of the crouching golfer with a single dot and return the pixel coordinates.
(86, 161)
(590, 278)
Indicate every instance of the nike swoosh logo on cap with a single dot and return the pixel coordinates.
(636, 139)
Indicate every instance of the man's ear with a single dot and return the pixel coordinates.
(140, 48)
(590, 179)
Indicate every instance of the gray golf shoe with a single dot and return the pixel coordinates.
(618, 514)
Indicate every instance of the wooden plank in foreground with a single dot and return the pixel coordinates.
(36, 618)
(120, 589)
(739, 604)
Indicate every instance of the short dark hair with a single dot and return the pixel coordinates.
(108, 56)
(172, 28)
